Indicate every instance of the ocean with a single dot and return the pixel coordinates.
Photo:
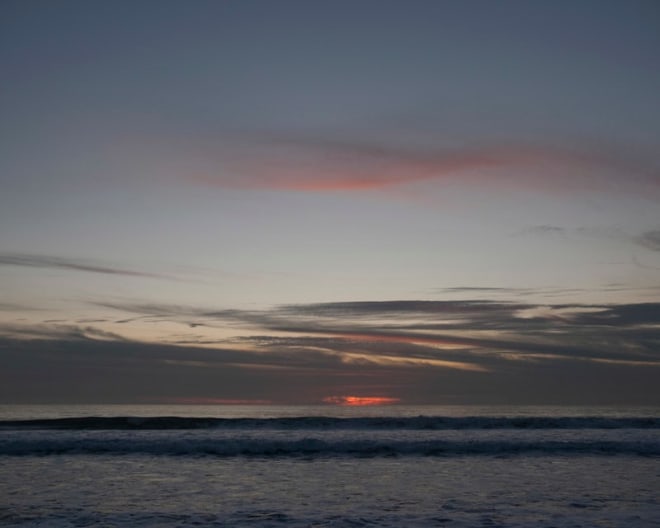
(270, 466)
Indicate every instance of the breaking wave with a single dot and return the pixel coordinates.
(435, 436)
(321, 423)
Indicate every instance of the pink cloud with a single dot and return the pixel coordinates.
(330, 166)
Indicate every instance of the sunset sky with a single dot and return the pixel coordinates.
(312, 201)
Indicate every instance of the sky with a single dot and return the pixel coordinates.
(297, 202)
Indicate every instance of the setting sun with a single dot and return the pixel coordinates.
(360, 400)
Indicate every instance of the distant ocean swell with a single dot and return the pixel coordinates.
(331, 437)
(320, 423)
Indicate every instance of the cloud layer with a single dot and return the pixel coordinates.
(475, 351)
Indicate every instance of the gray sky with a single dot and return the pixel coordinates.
(431, 201)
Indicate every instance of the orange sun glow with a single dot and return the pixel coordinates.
(360, 400)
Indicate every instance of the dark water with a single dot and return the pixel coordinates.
(327, 466)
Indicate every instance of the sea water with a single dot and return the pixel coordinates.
(329, 466)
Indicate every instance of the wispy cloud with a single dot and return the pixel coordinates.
(53, 262)
(544, 230)
(481, 289)
(650, 240)
(14, 307)
(57, 330)
(459, 333)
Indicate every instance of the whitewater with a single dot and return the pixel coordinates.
(329, 466)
